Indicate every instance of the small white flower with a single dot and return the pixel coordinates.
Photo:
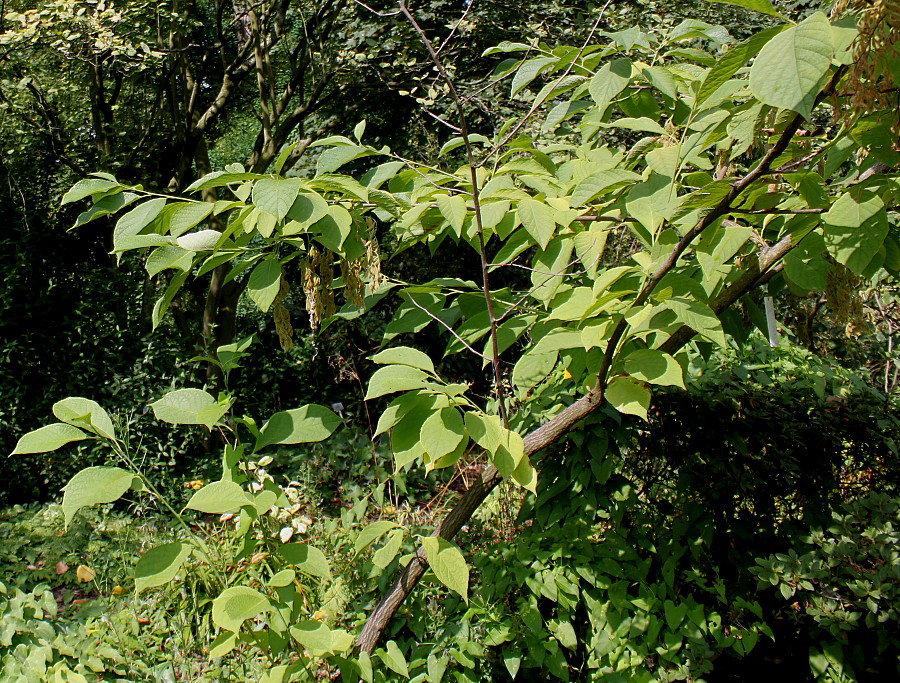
(285, 534)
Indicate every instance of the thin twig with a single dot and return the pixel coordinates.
(495, 361)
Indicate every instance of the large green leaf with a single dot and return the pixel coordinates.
(188, 407)
(538, 219)
(442, 432)
(86, 414)
(307, 559)
(48, 438)
(307, 424)
(394, 660)
(96, 485)
(264, 283)
(733, 60)
(404, 355)
(393, 378)
(236, 605)
(855, 227)
(764, 6)
(652, 201)
(699, 317)
(276, 195)
(87, 187)
(219, 497)
(372, 533)
(607, 83)
(136, 220)
(448, 565)
(656, 367)
(627, 396)
(187, 214)
(319, 640)
(159, 565)
(791, 67)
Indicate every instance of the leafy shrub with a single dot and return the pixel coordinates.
(842, 584)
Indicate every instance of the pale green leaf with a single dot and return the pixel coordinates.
(188, 407)
(394, 378)
(307, 424)
(334, 228)
(528, 72)
(186, 215)
(168, 257)
(855, 227)
(656, 367)
(609, 81)
(652, 201)
(48, 438)
(276, 195)
(763, 6)
(371, 533)
(202, 240)
(264, 283)
(307, 209)
(87, 187)
(791, 67)
(394, 659)
(442, 432)
(404, 355)
(86, 414)
(448, 565)
(306, 558)
(236, 605)
(627, 396)
(538, 219)
(96, 485)
(135, 221)
(733, 60)
(158, 566)
(219, 497)
(454, 210)
(532, 368)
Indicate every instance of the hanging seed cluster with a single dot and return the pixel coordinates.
(372, 258)
(875, 51)
(844, 301)
(317, 279)
(282, 317)
(354, 289)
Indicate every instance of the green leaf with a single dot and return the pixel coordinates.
(186, 215)
(386, 553)
(372, 533)
(168, 257)
(643, 124)
(315, 637)
(454, 210)
(264, 283)
(136, 220)
(538, 219)
(699, 317)
(442, 432)
(656, 367)
(763, 6)
(162, 304)
(283, 578)
(219, 497)
(276, 195)
(607, 83)
(528, 72)
(307, 424)
(404, 355)
(48, 438)
(237, 604)
(791, 67)
(652, 201)
(202, 240)
(448, 146)
(394, 659)
(96, 485)
(333, 229)
(306, 210)
(333, 158)
(532, 368)
(307, 559)
(188, 407)
(855, 227)
(85, 188)
(158, 566)
(627, 396)
(733, 60)
(85, 414)
(448, 564)
(394, 378)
